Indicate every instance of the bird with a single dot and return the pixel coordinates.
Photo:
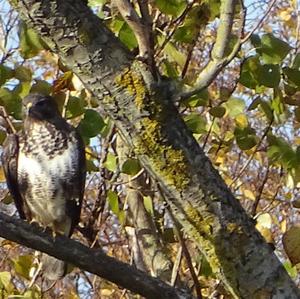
(45, 169)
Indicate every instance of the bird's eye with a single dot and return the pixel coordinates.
(41, 103)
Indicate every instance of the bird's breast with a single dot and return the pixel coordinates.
(46, 170)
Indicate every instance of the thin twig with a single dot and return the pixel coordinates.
(189, 55)
(253, 154)
(10, 127)
(176, 266)
(176, 23)
(259, 23)
(186, 254)
(259, 192)
(208, 133)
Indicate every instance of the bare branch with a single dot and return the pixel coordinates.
(141, 28)
(94, 261)
(149, 247)
(219, 59)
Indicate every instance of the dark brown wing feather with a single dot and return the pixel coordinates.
(73, 207)
(9, 160)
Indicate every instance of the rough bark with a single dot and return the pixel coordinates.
(149, 250)
(151, 126)
(94, 261)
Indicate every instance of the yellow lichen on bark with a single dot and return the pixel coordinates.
(168, 161)
(171, 163)
(134, 84)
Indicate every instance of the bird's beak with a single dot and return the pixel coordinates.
(28, 106)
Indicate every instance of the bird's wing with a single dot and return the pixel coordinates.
(74, 206)
(9, 160)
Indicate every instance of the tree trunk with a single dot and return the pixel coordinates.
(149, 123)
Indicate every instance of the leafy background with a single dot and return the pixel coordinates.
(247, 121)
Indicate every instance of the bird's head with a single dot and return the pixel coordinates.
(40, 107)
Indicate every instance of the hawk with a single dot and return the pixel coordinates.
(44, 165)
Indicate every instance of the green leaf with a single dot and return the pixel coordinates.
(30, 42)
(111, 162)
(199, 99)
(92, 124)
(280, 151)
(292, 271)
(267, 109)
(116, 24)
(127, 36)
(249, 71)
(23, 73)
(5, 278)
(233, 39)
(206, 269)
(172, 52)
(90, 166)
(75, 107)
(272, 49)
(196, 123)
(269, 75)
(7, 200)
(12, 102)
(277, 104)
(113, 202)
(234, 106)
(171, 7)
(131, 167)
(293, 75)
(170, 69)
(23, 265)
(186, 34)
(22, 89)
(217, 111)
(245, 138)
(6, 73)
(41, 86)
(148, 205)
(296, 63)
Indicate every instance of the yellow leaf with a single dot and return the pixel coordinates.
(263, 225)
(249, 194)
(107, 292)
(5, 278)
(241, 120)
(63, 82)
(2, 176)
(283, 225)
(264, 220)
(285, 15)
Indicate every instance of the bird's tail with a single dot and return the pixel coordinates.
(53, 269)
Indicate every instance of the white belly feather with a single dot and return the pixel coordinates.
(47, 201)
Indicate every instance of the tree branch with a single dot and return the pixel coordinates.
(141, 28)
(152, 254)
(219, 57)
(93, 261)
